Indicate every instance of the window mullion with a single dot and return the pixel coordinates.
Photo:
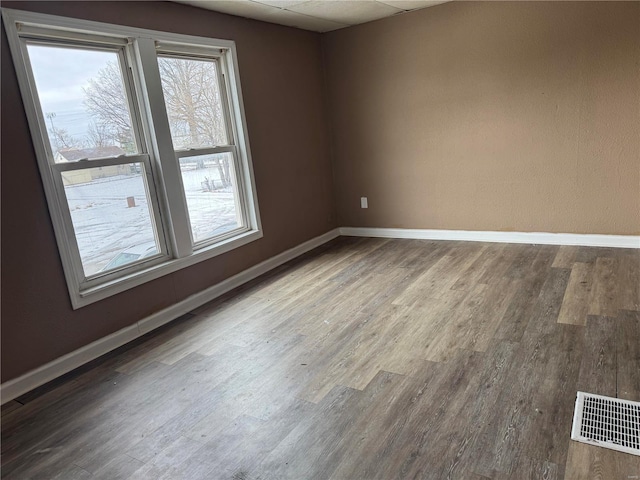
(204, 151)
(99, 162)
(176, 204)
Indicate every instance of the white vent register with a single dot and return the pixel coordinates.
(607, 422)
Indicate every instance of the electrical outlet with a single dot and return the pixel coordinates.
(364, 203)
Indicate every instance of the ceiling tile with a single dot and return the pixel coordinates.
(241, 8)
(351, 12)
(281, 3)
(267, 13)
(314, 15)
(412, 4)
(306, 22)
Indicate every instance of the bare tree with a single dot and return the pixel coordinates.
(60, 138)
(105, 98)
(193, 101)
(194, 106)
(99, 135)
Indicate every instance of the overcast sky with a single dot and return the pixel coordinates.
(60, 74)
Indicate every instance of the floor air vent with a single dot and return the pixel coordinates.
(607, 422)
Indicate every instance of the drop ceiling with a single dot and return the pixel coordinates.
(315, 15)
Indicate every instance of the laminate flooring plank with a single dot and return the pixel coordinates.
(177, 452)
(130, 420)
(604, 298)
(440, 277)
(72, 473)
(474, 322)
(565, 257)
(420, 335)
(589, 462)
(445, 345)
(39, 433)
(236, 396)
(193, 411)
(378, 328)
(374, 401)
(120, 468)
(496, 270)
(385, 255)
(202, 462)
(418, 447)
(241, 328)
(474, 476)
(502, 438)
(418, 255)
(372, 451)
(291, 305)
(261, 322)
(599, 366)
(628, 466)
(522, 262)
(301, 452)
(464, 443)
(532, 469)
(274, 315)
(318, 271)
(591, 254)
(554, 400)
(575, 304)
(336, 311)
(249, 454)
(629, 282)
(193, 403)
(471, 276)
(310, 270)
(628, 355)
(278, 386)
(306, 313)
(331, 356)
(352, 366)
(11, 406)
(193, 342)
(148, 471)
(517, 316)
(177, 337)
(355, 446)
(380, 346)
(167, 459)
(487, 318)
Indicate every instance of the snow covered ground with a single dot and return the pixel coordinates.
(105, 225)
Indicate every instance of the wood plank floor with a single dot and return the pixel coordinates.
(366, 359)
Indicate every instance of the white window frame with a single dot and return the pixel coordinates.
(161, 162)
(182, 52)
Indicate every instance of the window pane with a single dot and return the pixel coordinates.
(194, 106)
(83, 101)
(111, 217)
(212, 200)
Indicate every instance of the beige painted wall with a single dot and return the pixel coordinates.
(489, 116)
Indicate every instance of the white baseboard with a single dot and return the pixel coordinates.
(49, 371)
(540, 238)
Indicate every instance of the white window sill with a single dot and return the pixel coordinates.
(107, 289)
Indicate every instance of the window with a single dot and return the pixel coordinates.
(199, 120)
(142, 147)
